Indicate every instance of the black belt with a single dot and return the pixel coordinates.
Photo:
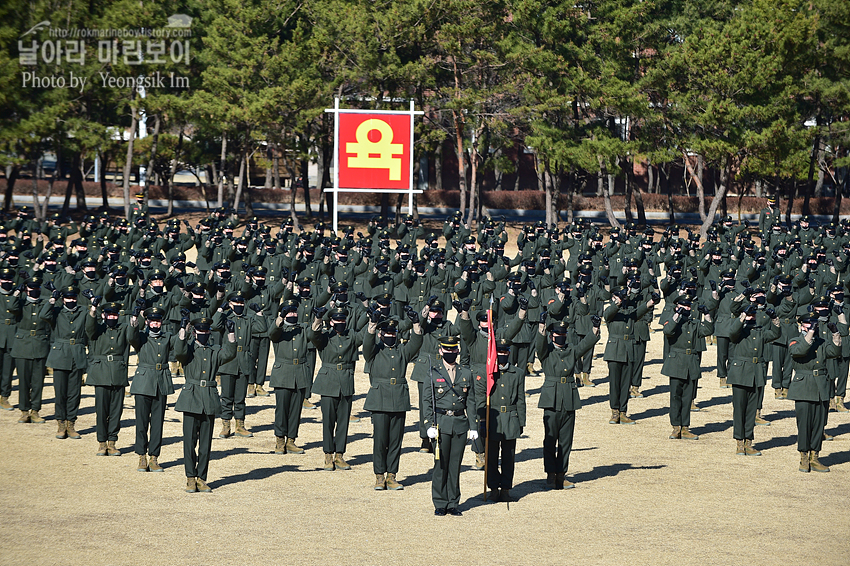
(110, 357)
(203, 382)
(458, 413)
(157, 367)
(299, 361)
(71, 341)
(340, 367)
(505, 408)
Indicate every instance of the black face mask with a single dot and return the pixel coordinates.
(838, 298)
(120, 281)
(291, 320)
(559, 339)
(260, 283)
(157, 288)
(7, 285)
(145, 263)
(202, 338)
(50, 267)
(197, 300)
(111, 322)
(238, 309)
(305, 291)
(760, 300)
(341, 297)
(389, 340)
(70, 305)
(436, 321)
(450, 357)
(339, 327)
(382, 269)
(503, 358)
(13, 261)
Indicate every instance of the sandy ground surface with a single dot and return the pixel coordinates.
(640, 498)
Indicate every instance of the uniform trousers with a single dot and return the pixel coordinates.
(499, 446)
(311, 368)
(287, 412)
(722, 356)
(838, 368)
(585, 363)
(445, 481)
(558, 430)
(619, 380)
(811, 420)
(150, 413)
(67, 386)
(335, 414)
(108, 404)
(258, 376)
(782, 366)
(234, 388)
(197, 435)
(30, 383)
(7, 365)
(387, 434)
(744, 407)
(636, 367)
(423, 430)
(682, 393)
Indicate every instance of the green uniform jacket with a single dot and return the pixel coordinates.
(810, 381)
(388, 391)
(32, 339)
(338, 353)
(429, 352)
(507, 402)
(68, 350)
(9, 316)
(622, 322)
(457, 396)
(200, 364)
(108, 348)
(152, 376)
(559, 391)
(248, 326)
(686, 339)
(748, 354)
(476, 342)
(290, 369)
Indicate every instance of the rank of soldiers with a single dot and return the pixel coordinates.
(78, 298)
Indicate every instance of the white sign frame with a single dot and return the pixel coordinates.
(336, 189)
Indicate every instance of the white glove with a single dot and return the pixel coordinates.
(473, 434)
(432, 432)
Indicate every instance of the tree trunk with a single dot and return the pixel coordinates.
(154, 144)
(305, 183)
(720, 195)
(650, 177)
(10, 186)
(641, 210)
(240, 183)
(628, 206)
(74, 178)
(50, 182)
(276, 166)
(550, 201)
(221, 169)
(461, 169)
(35, 202)
(811, 178)
(700, 187)
(169, 189)
(103, 193)
(473, 185)
(570, 191)
(839, 192)
(128, 162)
(385, 207)
(664, 178)
(438, 167)
(606, 194)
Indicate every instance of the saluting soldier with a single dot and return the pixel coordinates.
(507, 420)
(810, 386)
(109, 344)
(559, 396)
(748, 372)
(152, 384)
(291, 375)
(198, 400)
(67, 357)
(450, 416)
(337, 347)
(236, 373)
(389, 396)
(9, 314)
(32, 344)
(684, 334)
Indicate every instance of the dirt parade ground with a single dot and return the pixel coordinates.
(639, 498)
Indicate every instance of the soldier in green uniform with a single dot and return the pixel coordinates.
(684, 333)
(749, 352)
(389, 397)
(8, 326)
(559, 397)
(337, 347)
(151, 384)
(198, 400)
(32, 344)
(109, 344)
(236, 373)
(450, 416)
(67, 357)
(810, 386)
(291, 375)
(507, 420)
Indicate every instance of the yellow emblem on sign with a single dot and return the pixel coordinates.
(383, 148)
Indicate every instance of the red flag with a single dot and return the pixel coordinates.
(492, 357)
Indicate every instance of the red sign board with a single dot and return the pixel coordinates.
(374, 151)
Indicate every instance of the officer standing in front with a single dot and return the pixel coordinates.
(32, 344)
(199, 401)
(449, 414)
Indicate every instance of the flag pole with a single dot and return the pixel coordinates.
(487, 389)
